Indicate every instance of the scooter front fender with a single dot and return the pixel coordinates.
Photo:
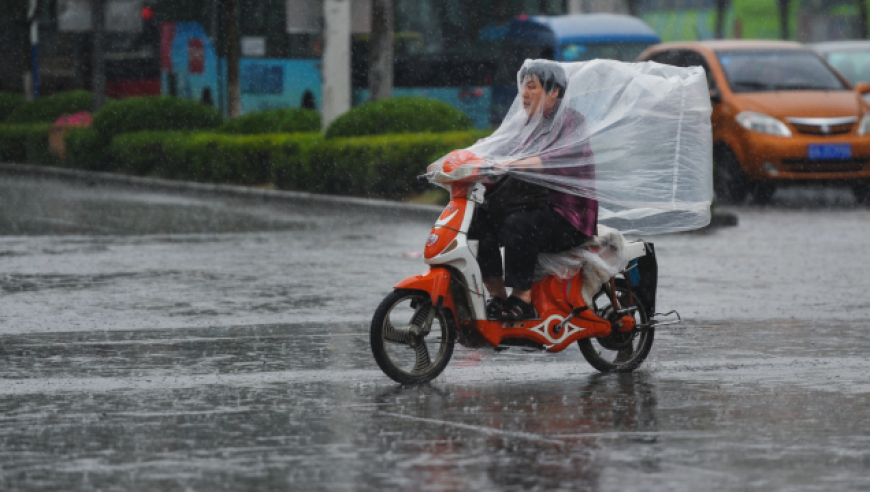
(436, 282)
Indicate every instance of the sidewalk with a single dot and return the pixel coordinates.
(293, 197)
(720, 218)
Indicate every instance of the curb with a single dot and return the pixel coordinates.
(292, 197)
(720, 218)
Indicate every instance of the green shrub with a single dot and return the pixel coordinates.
(14, 139)
(49, 108)
(162, 113)
(248, 160)
(291, 171)
(383, 166)
(38, 148)
(291, 120)
(237, 159)
(8, 102)
(86, 149)
(148, 152)
(399, 115)
(214, 157)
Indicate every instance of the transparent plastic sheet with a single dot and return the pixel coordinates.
(635, 137)
(599, 259)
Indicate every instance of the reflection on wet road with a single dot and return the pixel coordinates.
(302, 407)
(231, 353)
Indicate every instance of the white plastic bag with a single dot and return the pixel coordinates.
(636, 137)
(599, 259)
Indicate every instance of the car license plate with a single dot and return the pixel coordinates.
(829, 151)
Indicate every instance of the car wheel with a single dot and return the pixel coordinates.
(729, 181)
(861, 191)
(762, 193)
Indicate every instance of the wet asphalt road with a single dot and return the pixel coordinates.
(165, 341)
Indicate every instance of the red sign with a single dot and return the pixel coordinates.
(195, 56)
(167, 36)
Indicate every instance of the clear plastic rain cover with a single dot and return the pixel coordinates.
(635, 137)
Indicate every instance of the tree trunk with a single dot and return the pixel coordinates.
(784, 14)
(231, 38)
(98, 73)
(721, 12)
(862, 20)
(633, 7)
(381, 51)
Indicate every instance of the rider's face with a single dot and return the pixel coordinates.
(534, 95)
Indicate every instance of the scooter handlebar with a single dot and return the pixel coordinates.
(466, 173)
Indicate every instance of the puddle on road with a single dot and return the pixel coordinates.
(304, 407)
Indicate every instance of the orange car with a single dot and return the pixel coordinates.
(781, 115)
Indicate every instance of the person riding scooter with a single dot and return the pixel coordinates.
(525, 218)
(534, 186)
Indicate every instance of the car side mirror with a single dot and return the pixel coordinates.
(716, 96)
(862, 88)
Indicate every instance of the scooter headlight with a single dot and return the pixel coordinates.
(864, 125)
(762, 123)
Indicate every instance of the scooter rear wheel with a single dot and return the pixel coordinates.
(618, 352)
(410, 338)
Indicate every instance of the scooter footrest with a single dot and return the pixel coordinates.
(654, 323)
(667, 322)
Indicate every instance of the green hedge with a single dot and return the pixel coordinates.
(399, 115)
(290, 120)
(162, 113)
(14, 140)
(156, 137)
(214, 157)
(86, 149)
(49, 108)
(146, 153)
(293, 171)
(37, 147)
(9, 101)
(245, 160)
(383, 166)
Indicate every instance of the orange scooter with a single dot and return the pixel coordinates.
(414, 329)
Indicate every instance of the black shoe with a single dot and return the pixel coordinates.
(495, 306)
(518, 310)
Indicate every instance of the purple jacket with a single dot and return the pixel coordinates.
(580, 211)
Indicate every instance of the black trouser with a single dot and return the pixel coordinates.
(523, 234)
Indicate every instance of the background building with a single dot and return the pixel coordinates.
(173, 46)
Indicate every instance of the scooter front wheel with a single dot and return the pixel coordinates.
(618, 352)
(411, 340)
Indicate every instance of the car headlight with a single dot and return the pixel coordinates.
(762, 123)
(864, 126)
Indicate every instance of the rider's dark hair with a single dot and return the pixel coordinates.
(549, 73)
